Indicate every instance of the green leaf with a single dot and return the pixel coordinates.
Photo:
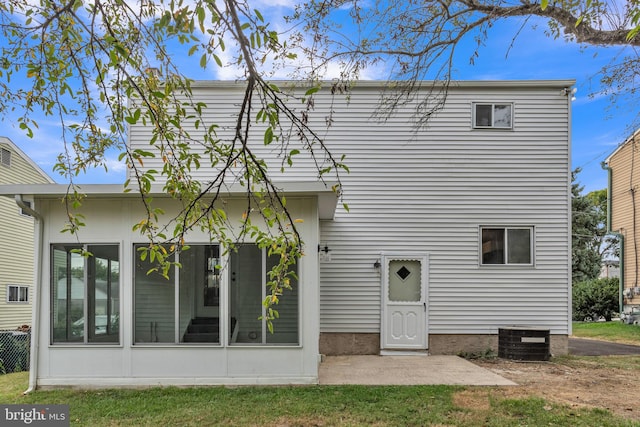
(312, 90)
(544, 4)
(268, 136)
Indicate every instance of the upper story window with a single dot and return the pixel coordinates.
(488, 115)
(507, 245)
(17, 294)
(5, 157)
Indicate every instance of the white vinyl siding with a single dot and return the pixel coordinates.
(427, 191)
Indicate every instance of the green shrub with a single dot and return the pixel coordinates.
(595, 298)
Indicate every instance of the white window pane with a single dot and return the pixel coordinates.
(519, 250)
(502, 116)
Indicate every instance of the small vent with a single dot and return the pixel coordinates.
(403, 273)
(5, 157)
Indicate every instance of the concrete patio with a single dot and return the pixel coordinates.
(406, 370)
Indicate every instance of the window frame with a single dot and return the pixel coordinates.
(89, 307)
(474, 107)
(506, 263)
(19, 294)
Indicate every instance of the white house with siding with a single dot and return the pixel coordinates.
(17, 251)
(454, 230)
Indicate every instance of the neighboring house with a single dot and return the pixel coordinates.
(609, 269)
(624, 211)
(454, 231)
(17, 251)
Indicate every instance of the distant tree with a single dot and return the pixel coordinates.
(422, 39)
(587, 231)
(609, 244)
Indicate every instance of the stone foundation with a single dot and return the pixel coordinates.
(340, 344)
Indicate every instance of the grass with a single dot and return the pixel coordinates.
(304, 406)
(608, 331)
(332, 405)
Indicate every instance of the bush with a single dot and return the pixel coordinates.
(595, 298)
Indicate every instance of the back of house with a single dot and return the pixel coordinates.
(456, 226)
(447, 231)
(17, 252)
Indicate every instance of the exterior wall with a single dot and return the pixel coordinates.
(428, 191)
(109, 220)
(16, 252)
(624, 164)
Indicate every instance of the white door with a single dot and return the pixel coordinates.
(404, 308)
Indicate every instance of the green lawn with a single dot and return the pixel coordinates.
(305, 406)
(608, 331)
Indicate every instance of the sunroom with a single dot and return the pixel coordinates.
(106, 320)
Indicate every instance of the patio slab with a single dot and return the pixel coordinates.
(406, 370)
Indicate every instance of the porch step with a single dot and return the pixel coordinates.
(203, 329)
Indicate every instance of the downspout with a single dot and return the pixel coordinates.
(35, 316)
(620, 236)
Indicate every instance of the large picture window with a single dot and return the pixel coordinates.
(507, 245)
(493, 116)
(85, 294)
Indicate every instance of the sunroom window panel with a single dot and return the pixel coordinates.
(248, 277)
(199, 294)
(81, 309)
(285, 327)
(154, 307)
(246, 294)
(103, 279)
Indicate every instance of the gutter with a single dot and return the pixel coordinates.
(35, 316)
(620, 236)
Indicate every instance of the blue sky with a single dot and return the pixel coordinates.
(597, 127)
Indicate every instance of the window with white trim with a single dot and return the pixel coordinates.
(18, 294)
(492, 116)
(5, 157)
(506, 246)
(85, 294)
